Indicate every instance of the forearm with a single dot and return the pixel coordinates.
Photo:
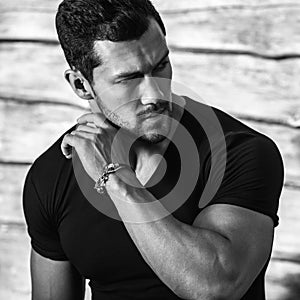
(189, 260)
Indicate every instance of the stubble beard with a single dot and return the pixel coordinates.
(119, 123)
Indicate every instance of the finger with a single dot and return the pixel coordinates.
(73, 140)
(83, 135)
(67, 144)
(97, 118)
(66, 150)
(89, 128)
(89, 117)
(91, 124)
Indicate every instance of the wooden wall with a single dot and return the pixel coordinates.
(240, 56)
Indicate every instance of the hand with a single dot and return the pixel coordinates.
(92, 141)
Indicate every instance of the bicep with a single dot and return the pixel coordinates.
(55, 280)
(250, 234)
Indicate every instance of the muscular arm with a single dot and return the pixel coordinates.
(218, 257)
(55, 280)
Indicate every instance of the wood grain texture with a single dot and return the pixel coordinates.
(34, 70)
(161, 5)
(272, 32)
(242, 84)
(238, 84)
(28, 24)
(26, 132)
(263, 31)
(14, 264)
(287, 238)
(170, 5)
(30, 5)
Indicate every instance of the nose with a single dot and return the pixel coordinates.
(150, 92)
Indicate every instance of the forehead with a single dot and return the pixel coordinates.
(131, 55)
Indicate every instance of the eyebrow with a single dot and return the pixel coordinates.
(131, 74)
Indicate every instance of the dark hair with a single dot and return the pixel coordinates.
(79, 23)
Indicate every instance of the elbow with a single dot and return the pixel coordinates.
(218, 291)
(219, 287)
(213, 292)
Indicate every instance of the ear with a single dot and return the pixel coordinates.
(79, 84)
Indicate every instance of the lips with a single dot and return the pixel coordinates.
(154, 113)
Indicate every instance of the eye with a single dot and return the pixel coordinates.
(126, 80)
(123, 81)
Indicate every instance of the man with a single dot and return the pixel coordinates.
(217, 249)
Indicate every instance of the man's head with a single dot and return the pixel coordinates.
(116, 49)
(80, 23)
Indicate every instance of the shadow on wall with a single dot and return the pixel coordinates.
(292, 283)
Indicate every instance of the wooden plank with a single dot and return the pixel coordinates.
(257, 87)
(28, 24)
(240, 84)
(170, 5)
(27, 131)
(14, 264)
(35, 5)
(227, 29)
(287, 239)
(31, 70)
(161, 5)
(244, 30)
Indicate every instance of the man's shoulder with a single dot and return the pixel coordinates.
(237, 134)
(207, 115)
(47, 166)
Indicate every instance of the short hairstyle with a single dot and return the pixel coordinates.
(79, 23)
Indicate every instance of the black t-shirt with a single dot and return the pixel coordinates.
(63, 225)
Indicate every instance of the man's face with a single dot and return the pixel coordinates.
(128, 87)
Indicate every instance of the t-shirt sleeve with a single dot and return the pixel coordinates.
(41, 228)
(253, 176)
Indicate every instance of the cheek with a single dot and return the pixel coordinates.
(116, 100)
